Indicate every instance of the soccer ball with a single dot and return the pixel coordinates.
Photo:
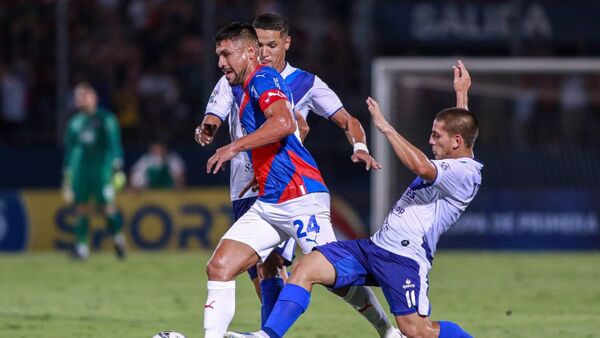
(168, 334)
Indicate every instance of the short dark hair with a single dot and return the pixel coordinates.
(236, 30)
(272, 22)
(460, 121)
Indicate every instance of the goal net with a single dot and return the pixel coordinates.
(539, 139)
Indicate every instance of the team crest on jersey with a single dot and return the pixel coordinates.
(445, 165)
(87, 136)
(408, 284)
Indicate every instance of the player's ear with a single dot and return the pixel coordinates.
(252, 50)
(288, 42)
(457, 141)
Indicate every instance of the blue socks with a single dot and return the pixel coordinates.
(270, 289)
(292, 303)
(452, 330)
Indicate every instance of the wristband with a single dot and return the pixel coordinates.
(360, 146)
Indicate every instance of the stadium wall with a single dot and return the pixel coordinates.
(40, 220)
(528, 219)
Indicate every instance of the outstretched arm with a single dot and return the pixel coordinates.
(413, 158)
(356, 137)
(462, 82)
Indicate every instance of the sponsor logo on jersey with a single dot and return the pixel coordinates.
(213, 96)
(398, 210)
(276, 94)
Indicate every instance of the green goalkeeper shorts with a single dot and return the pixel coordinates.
(89, 184)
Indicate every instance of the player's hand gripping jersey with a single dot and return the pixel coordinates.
(308, 93)
(427, 209)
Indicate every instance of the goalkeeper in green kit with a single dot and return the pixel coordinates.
(93, 168)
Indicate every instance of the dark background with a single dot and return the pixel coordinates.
(153, 64)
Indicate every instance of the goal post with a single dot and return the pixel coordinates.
(411, 91)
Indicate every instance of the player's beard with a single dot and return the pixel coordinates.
(232, 77)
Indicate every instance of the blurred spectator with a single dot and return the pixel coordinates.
(13, 108)
(574, 104)
(158, 169)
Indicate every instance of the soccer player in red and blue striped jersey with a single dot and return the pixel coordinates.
(293, 199)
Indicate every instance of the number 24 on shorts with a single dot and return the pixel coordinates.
(312, 226)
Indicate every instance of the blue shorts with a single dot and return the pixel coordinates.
(285, 249)
(241, 206)
(360, 262)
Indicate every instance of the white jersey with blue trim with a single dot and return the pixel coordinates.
(309, 93)
(427, 209)
(225, 103)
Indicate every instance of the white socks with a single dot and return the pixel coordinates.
(364, 301)
(219, 308)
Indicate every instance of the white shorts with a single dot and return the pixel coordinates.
(306, 219)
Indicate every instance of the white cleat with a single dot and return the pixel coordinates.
(259, 334)
(394, 333)
(81, 251)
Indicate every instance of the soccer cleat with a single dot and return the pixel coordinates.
(394, 333)
(258, 334)
(80, 251)
(120, 246)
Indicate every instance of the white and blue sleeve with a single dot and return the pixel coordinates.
(455, 177)
(323, 101)
(221, 100)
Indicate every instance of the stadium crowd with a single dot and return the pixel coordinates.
(145, 59)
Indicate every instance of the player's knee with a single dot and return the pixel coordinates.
(414, 330)
(217, 269)
(302, 272)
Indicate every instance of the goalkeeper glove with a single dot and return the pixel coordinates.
(66, 188)
(119, 180)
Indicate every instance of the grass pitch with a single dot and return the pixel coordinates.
(489, 294)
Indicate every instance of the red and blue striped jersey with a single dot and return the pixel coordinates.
(284, 170)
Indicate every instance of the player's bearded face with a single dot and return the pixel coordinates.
(272, 47)
(440, 141)
(234, 60)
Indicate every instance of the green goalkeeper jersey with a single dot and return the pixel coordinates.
(93, 142)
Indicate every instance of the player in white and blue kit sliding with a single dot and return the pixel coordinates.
(309, 93)
(398, 257)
